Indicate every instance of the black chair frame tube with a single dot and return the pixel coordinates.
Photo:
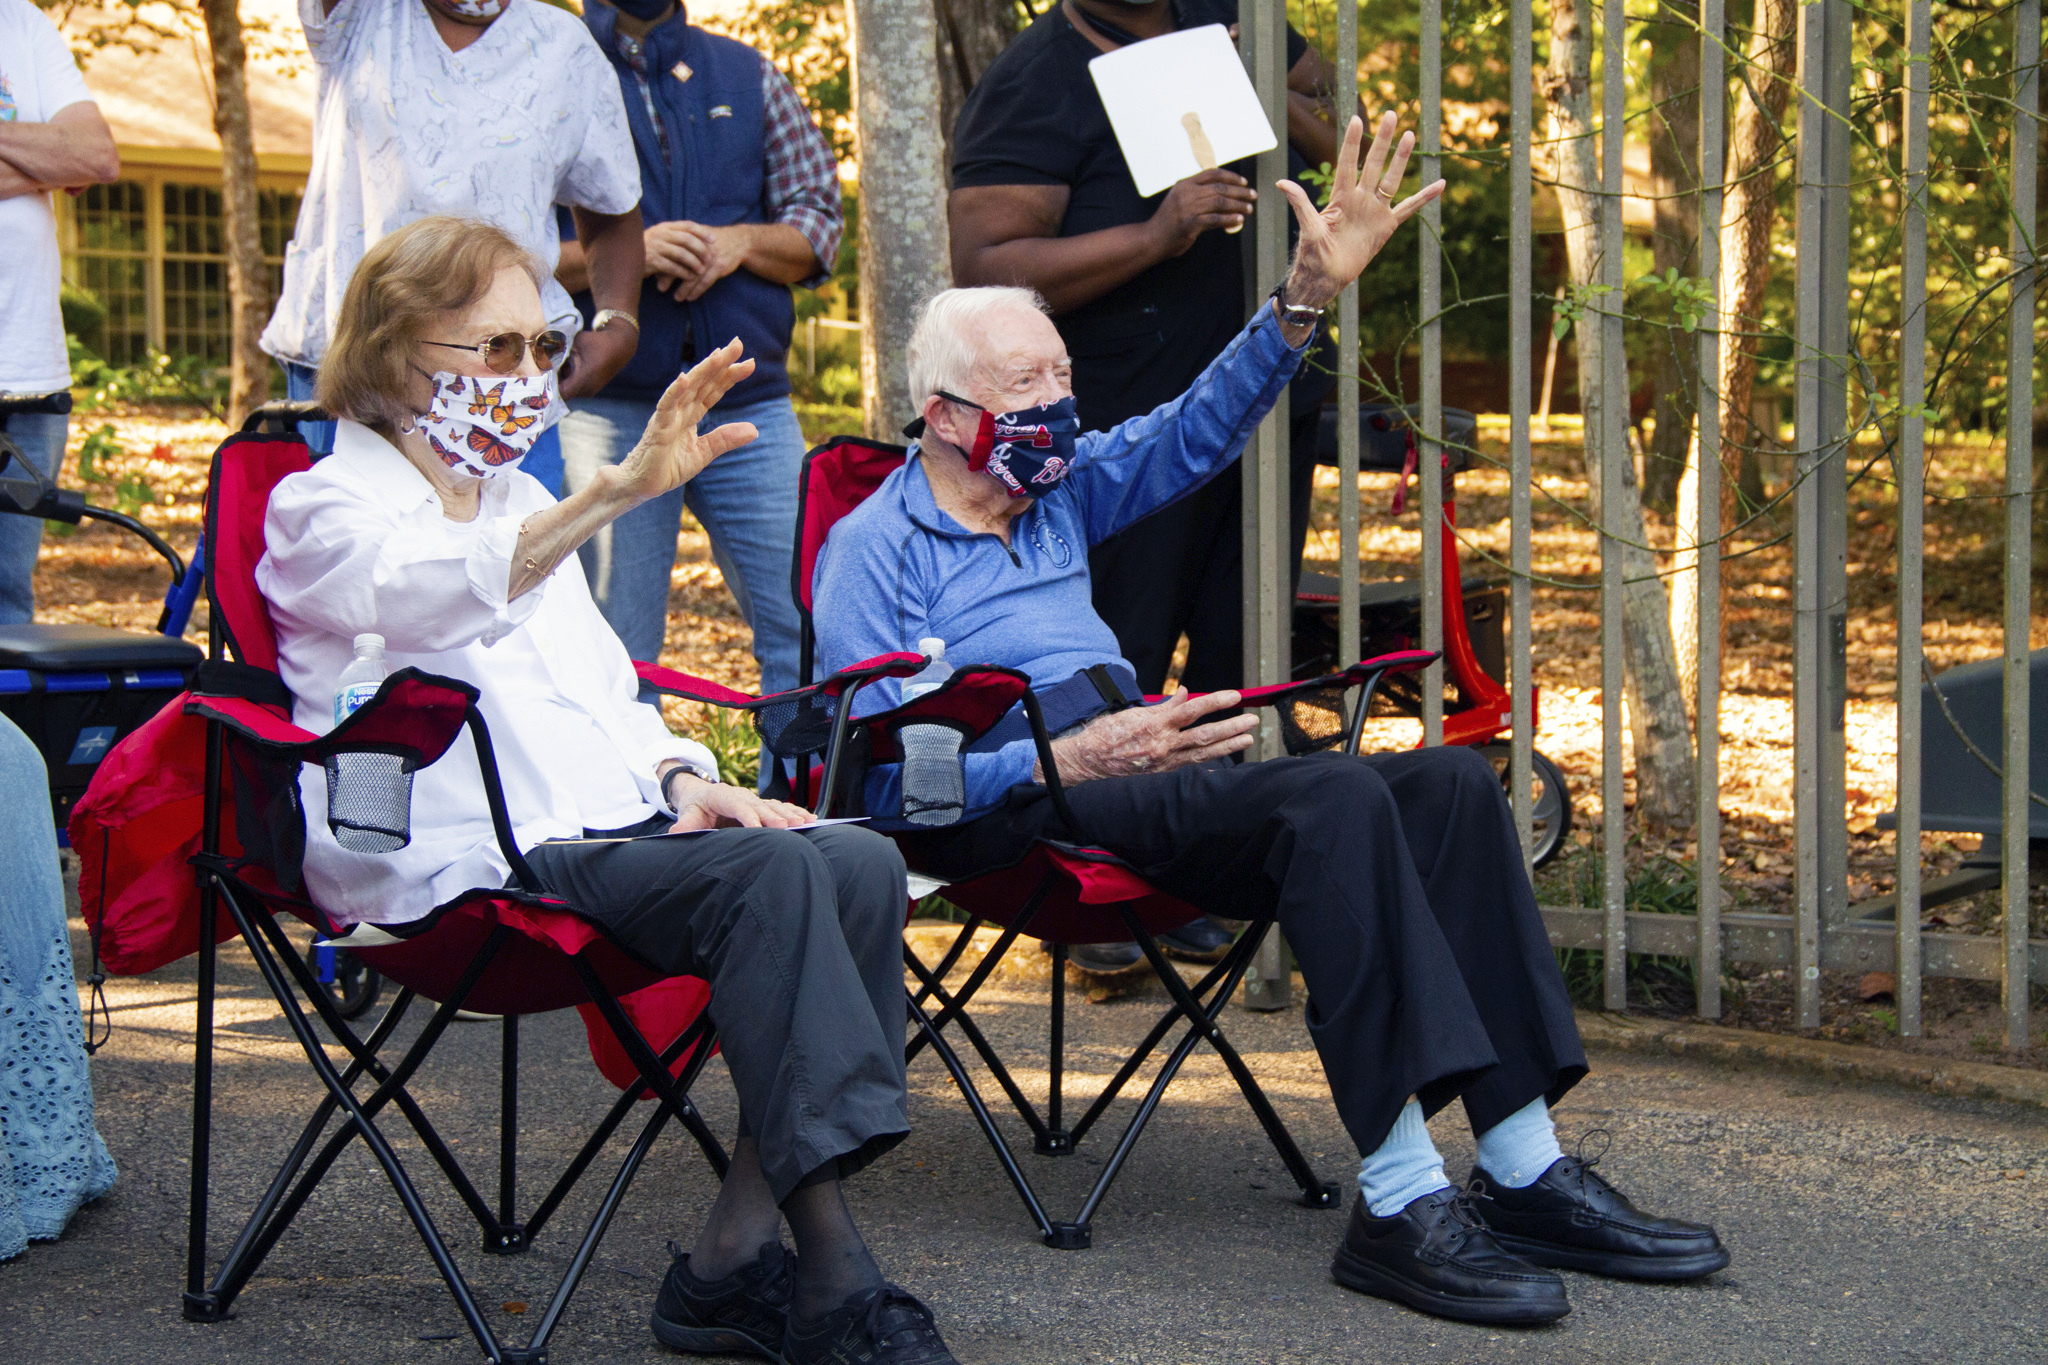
(282, 969)
(1199, 1005)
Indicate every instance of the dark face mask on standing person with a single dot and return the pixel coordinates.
(646, 11)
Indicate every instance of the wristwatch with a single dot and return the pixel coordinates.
(606, 316)
(1295, 314)
(671, 776)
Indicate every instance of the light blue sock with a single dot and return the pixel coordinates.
(1404, 1168)
(1521, 1147)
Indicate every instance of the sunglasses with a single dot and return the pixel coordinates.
(503, 352)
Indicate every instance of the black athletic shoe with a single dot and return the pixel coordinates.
(745, 1311)
(1202, 940)
(1105, 958)
(1573, 1219)
(1436, 1256)
(880, 1327)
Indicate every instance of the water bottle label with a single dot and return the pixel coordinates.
(349, 698)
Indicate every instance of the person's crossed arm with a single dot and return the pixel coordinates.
(73, 148)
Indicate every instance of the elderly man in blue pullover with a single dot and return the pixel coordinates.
(1397, 876)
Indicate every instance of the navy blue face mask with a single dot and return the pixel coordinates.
(646, 11)
(1028, 451)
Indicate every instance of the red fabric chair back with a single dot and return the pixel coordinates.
(140, 823)
(245, 470)
(838, 476)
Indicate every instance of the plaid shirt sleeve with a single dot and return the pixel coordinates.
(802, 175)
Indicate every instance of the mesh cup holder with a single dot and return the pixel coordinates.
(1311, 722)
(369, 801)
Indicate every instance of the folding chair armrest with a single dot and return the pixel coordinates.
(253, 721)
(412, 710)
(1366, 673)
(671, 683)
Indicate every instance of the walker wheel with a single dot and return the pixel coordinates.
(1550, 800)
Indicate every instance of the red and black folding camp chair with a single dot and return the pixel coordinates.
(1064, 893)
(209, 786)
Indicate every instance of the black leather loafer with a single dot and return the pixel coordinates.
(1436, 1256)
(744, 1312)
(882, 1327)
(1573, 1219)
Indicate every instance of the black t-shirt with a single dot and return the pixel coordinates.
(1035, 119)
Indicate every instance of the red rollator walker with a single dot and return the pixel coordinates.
(1390, 618)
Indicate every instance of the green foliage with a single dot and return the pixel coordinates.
(1568, 310)
(125, 491)
(938, 907)
(85, 317)
(732, 741)
(161, 378)
(1691, 299)
(1659, 886)
(810, 43)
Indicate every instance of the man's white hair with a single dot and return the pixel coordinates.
(944, 346)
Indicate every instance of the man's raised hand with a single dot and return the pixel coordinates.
(1338, 242)
(1152, 739)
(671, 452)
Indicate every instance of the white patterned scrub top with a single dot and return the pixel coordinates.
(526, 117)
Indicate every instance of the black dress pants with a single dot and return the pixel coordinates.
(800, 934)
(1398, 881)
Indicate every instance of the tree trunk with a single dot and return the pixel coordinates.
(248, 277)
(1657, 720)
(1749, 208)
(904, 253)
(1674, 130)
(971, 35)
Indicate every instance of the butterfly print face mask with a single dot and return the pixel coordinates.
(485, 424)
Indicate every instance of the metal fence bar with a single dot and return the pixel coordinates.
(1613, 446)
(1706, 533)
(2019, 476)
(1521, 668)
(1265, 524)
(1912, 473)
(1820, 501)
(1429, 447)
(1349, 646)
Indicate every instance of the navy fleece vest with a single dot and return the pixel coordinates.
(714, 174)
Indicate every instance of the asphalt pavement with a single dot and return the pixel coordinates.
(1867, 1224)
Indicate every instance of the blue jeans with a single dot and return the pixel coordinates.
(41, 438)
(544, 461)
(746, 500)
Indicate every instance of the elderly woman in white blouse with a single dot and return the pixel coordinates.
(420, 528)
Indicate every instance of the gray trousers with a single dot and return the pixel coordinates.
(800, 936)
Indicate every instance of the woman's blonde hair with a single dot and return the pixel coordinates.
(436, 265)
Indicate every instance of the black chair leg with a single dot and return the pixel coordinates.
(1315, 1193)
(976, 1106)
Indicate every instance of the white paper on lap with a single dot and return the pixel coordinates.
(1149, 89)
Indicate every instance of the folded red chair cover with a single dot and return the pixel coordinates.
(1077, 884)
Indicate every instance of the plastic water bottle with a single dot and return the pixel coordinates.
(369, 796)
(934, 787)
(361, 679)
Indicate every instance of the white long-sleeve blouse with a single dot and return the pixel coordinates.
(359, 544)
